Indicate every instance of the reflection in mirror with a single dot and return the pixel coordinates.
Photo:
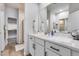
(55, 26)
(61, 25)
(57, 17)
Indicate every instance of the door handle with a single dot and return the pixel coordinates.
(54, 48)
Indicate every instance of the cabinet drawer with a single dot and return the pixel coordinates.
(75, 53)
(40, 41)
(58, 49)
(50, 53)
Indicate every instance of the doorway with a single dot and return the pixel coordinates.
(61, 25)
(13, 27)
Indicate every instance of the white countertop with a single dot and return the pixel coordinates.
(64, 40)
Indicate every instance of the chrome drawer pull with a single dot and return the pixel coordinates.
(54, 48)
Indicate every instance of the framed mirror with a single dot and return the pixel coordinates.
(57, 17)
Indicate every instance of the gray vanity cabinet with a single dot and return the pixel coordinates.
(35, 48)
(57, 49)
(39, 50)
(74, 53)
(41, 47)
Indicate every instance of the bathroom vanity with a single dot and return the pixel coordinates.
(58, 45)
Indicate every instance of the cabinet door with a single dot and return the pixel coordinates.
(39, 50)
(31, 49)
(75, 53)
(50, 53)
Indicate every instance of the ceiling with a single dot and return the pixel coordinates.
(15, 5)
(73, 7)
(57, 7)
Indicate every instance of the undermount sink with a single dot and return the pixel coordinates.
(63, 39)
(66, 38)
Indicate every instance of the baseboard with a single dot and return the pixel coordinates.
(29, 54)
(26, 53)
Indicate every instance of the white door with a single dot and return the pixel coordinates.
(50, 53)
(2, 45)
(31, 49)
(39, 50)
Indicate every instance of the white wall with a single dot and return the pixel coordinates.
(31, 11)
(73, 21)
(2, 15)
(43, 17)
(44, 5)
(11, 12)
(20, 20)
